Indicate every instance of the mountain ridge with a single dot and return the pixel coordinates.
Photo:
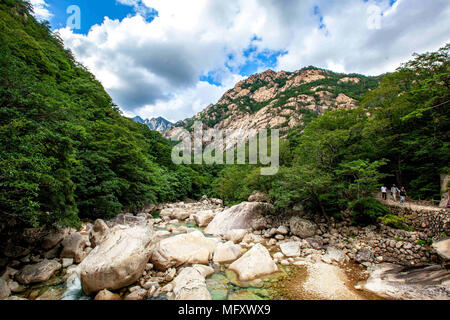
(281, 100)
(159, 124)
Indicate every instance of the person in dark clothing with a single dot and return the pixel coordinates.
(403, 196)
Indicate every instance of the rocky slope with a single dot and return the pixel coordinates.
(281, 100)
(253, 257)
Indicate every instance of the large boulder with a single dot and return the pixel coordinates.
(39, 272)
(235, 235)
(73, 247)
(258, 196)
(443, 249)
(226, 252)
(240, 216)
(190, 284)
(118, 261)
(99, 232)
(405, 283)
(175, 213)
(255, 263)
(188, 248)
(203, 218)
(53, 238)
(302, 228)
(5, 292)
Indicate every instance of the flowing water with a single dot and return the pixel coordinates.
(286, 284)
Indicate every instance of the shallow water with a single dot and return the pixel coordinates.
(287, 284)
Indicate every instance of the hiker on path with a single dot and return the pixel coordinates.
(394, 191)
(403, 196)
(384, 192)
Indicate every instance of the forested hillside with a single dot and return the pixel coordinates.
(66, 152)
(399, 134)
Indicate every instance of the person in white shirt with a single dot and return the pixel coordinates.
(384, 192)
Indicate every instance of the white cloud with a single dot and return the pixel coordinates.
(153, 68)
(41, 11)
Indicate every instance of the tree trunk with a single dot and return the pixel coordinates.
(322, 209)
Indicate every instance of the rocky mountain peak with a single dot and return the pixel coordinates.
(282, 100)
(157, 124)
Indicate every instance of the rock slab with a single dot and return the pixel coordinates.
(255, 263)
(190, 284)
(241, 216)
(39, 272)
(189, 248)
(118, 261)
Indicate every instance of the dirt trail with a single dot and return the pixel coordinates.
(412, 205)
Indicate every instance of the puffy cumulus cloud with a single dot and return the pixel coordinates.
(357, 38)
(160, 67)
(41, 9)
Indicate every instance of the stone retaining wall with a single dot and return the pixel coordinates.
(435, 224)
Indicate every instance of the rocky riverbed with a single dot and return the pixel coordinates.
(202, 250)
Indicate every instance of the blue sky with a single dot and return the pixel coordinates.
(93, 12)
(172, 58)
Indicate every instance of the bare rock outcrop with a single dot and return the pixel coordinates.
(392, 281)
(240, 216)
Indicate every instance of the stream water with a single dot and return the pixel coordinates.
(286, 284)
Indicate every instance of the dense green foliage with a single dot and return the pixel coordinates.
(65, 150)
(400, 135)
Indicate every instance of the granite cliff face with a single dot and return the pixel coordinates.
(281, 100)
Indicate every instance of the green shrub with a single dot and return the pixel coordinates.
(395, 222)
(367, 210)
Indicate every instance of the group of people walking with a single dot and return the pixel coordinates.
(394, 193)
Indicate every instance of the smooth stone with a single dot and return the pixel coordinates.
(39, 272)
(190, 285)
(254, 263)
(226, 252)
(189, 248)
(118, 261)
